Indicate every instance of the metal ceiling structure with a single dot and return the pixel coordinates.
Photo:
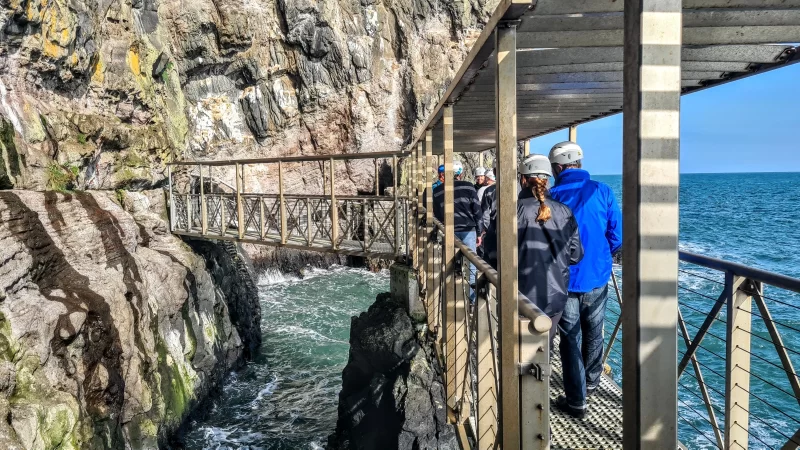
(570, 61)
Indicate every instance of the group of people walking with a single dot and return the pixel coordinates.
(566, 236)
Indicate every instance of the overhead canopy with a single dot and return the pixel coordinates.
(570, 58)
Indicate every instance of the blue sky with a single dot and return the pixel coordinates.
(750, 125)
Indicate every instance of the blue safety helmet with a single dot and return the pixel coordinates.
(441, 168)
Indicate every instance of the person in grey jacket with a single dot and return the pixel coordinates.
(548, 241)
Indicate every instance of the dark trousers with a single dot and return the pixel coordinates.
(581, 329)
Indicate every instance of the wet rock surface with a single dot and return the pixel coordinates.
(111, 329)
(392, 395)
(99, 94)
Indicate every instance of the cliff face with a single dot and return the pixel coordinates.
(100, 93)
(111, 329)
(392, 394)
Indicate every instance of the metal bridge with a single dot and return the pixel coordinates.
(712, 366)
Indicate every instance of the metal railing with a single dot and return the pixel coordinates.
(463, 318)
(737, 383)
(370, 226)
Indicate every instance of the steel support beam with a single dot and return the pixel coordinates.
(420, 219)
(334, 208)
(737, 362)
(239, 206)
(573, 133)
(171, 201)
(449, 263)
(506, 138)
(282, 201)
(651, 132)
(428, 181)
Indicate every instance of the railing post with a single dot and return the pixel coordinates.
(460, 350)
(308, 221)
(203, 207)
(171, 201)
(487, 375)
(651, 148)
(507, 289)
(428, 192)
(282, 200)
(737, 362)
(239, 205)
(223, 205)
(377, 180)
(420, 218)
(398, 224)
(262, 219)
(334, 210)
(534, 358)
(573, 133)
(448, 260)
(189, 212)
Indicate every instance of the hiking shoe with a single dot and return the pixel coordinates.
(561, 404)
(590, 391)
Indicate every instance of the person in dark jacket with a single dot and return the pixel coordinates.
(581, 328)
(466, 212)
(548, 241)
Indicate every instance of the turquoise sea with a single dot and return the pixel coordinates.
(287, 397)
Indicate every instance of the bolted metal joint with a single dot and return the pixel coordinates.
(509, 23)
(535, 370)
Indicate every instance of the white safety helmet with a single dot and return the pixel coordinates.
(457, 167)
(490, 175)
(480, 172)
(566, 153)
(535, 165)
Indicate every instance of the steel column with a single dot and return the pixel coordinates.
(487, 373)
(737, 362)
(377, 180)
(506, 122)
(334, 209)
(282, 201)
(171, 201)
(651, 119)
(448, 261)
(203, 208)
(534, 351)
(398, 225)
(420, 220)
(573, 133)
(429, 237)
(239, 205)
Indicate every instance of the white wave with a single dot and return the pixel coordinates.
(294, 330)
(273, 276)
(267, 391)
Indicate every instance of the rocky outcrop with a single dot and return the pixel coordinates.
(98, 94)
(392, 394)
(111, 329)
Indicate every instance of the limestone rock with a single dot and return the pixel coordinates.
(111, 328)
(100, 94)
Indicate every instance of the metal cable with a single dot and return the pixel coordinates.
(767, 361)
(704, 313)
(689, 389)
(767, 424)
(760, 294)
(700, 294)
(716, 391)
(749, 434)
(770, 320)
(768, 341)
(695, 428)
(695, 274)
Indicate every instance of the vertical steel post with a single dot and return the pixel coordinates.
(420, 218)
(308, 222)
(527, 147)
(448, 261)
(203, 207)
(398, 225)
(171, 200)
(487, 392)
(334, 210)
(573, 133)
(239, 205)
(282, 199)
(651, 132)
(189, 211)
(262, 219)
(534, 348)
(737, 363)
(377, 180)
(429, 236)
(506, 123)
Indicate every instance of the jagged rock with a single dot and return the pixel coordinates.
(392, 394)
(212, 79)
(111, 329)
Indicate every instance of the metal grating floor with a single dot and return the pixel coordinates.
(602, 427)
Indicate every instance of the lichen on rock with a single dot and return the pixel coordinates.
(111, 329)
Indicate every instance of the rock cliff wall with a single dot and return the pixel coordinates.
(392, 396)
(98, 94)
(111, 329)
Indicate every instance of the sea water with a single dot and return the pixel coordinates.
(287, 397)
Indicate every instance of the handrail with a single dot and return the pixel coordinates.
(770, 278)
(337, 157)
(540, 321)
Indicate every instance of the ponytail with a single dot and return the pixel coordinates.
(539, 189)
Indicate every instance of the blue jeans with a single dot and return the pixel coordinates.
(470, 239)
(581, 330)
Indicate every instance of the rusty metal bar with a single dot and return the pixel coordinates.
(507, 291)
(651, 148)
(737, 365)
(239, 205)
(334, 209)
(284, 222)
(203, 207)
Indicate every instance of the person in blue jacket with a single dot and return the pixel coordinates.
(581, 327)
